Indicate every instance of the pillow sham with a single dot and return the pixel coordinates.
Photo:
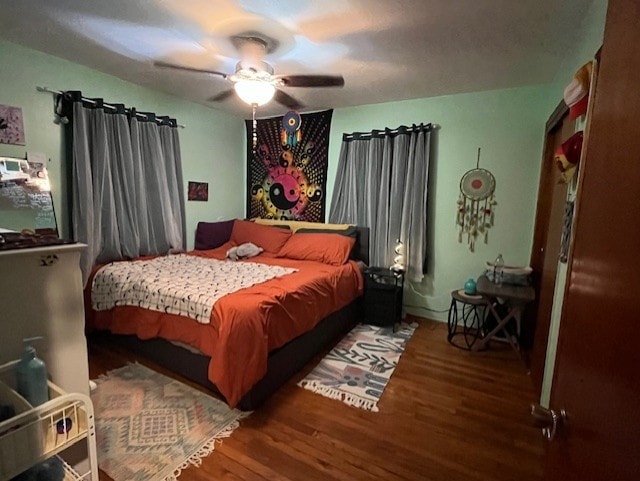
(210, 235)
(271, 239)
(332, 249)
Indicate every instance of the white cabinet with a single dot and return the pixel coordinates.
(41, 295)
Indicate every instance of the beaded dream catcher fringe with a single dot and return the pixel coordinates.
(476, 205)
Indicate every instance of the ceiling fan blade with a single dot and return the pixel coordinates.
(312, 80)
(189, 69)
(287, 100)
(221, 96)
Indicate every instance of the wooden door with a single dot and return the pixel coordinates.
(552, 196)
(597, 370)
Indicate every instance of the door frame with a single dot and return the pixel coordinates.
(536, 355)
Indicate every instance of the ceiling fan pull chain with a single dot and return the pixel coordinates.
(255, 127)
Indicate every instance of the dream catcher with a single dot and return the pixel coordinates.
(476, 204)
(291, 133)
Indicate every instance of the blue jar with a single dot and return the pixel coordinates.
(470, 287)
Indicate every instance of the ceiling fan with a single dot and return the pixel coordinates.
(254, 80)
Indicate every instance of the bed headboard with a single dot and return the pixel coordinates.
(361, 248)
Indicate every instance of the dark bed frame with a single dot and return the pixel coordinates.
(282, 363)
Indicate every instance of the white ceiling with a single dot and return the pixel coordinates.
(386, 50)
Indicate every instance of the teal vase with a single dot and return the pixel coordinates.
(470, 287)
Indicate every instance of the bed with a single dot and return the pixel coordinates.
(254, 338)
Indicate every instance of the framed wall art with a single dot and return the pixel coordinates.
(11, 125)
(198, 191)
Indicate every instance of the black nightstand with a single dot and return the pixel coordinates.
(382, 296)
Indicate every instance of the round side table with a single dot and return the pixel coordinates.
(466, 319)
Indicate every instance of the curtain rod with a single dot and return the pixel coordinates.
(402, 128)
(91, 101)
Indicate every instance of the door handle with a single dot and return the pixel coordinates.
(548, 419)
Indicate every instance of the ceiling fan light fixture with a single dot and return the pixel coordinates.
(256, 92)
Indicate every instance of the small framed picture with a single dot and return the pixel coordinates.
(198, 191)
(11, 125)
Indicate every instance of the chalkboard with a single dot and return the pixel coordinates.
(26, 203)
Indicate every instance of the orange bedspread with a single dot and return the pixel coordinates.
(246, 325)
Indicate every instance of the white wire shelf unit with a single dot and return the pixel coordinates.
(35, 434)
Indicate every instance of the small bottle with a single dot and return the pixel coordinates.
(32, 375)
(470, 287)
(498, 267)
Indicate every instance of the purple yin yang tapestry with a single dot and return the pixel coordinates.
(287, 166)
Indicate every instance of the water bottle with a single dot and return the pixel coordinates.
(32, 375)
(498, 267)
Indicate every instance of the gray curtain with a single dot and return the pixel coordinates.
(127, 186)
(381, 183)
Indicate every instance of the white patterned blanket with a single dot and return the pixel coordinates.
(177, 284)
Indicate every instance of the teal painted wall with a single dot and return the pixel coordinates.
(508, 125)
(212, 143)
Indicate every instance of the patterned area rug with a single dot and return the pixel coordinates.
(151, 427)
(358, 369)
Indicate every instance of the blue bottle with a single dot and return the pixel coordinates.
(32, 375)
(470, 287)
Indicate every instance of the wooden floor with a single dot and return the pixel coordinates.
(447, 414)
